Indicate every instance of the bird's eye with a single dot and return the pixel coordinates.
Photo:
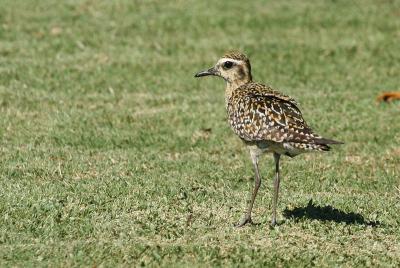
(228, 64)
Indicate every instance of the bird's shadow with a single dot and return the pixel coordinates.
(327, 213)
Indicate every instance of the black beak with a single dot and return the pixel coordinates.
(210, 71)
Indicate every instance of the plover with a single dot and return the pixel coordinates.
(266, 120)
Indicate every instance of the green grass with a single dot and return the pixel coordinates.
(106, 157)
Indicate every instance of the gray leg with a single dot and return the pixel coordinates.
(257, 182)
(276, 188)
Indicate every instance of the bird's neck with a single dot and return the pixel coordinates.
(232, 85)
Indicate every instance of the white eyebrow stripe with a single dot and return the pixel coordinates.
(228, 59)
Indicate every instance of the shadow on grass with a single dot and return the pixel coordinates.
(327, 213)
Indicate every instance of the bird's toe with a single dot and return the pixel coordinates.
(245, 220)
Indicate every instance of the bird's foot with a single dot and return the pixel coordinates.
(245, 220)
(273, 222)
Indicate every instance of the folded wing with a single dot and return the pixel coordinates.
(271, 116)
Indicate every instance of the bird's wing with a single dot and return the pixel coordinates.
(270, 116)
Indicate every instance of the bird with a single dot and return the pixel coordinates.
(266, 120)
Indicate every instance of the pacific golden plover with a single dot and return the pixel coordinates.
(266, 120)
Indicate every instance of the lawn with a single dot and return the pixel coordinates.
(112, 153)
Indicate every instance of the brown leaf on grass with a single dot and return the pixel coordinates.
(388, 96)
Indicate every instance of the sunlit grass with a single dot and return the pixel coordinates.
(112, 153)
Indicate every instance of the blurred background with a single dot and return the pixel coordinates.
(113, 153)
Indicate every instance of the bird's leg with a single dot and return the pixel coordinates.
(276, 188)
(257, 182)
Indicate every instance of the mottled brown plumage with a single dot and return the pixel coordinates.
(258, 113)
(266, 120)
(236, 55)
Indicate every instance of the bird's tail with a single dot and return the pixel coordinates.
(315, 144)
(322, 143)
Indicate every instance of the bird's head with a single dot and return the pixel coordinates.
(234, 67)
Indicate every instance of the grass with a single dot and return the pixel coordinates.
(113, 154)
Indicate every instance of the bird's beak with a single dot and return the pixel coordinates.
(210, 71)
